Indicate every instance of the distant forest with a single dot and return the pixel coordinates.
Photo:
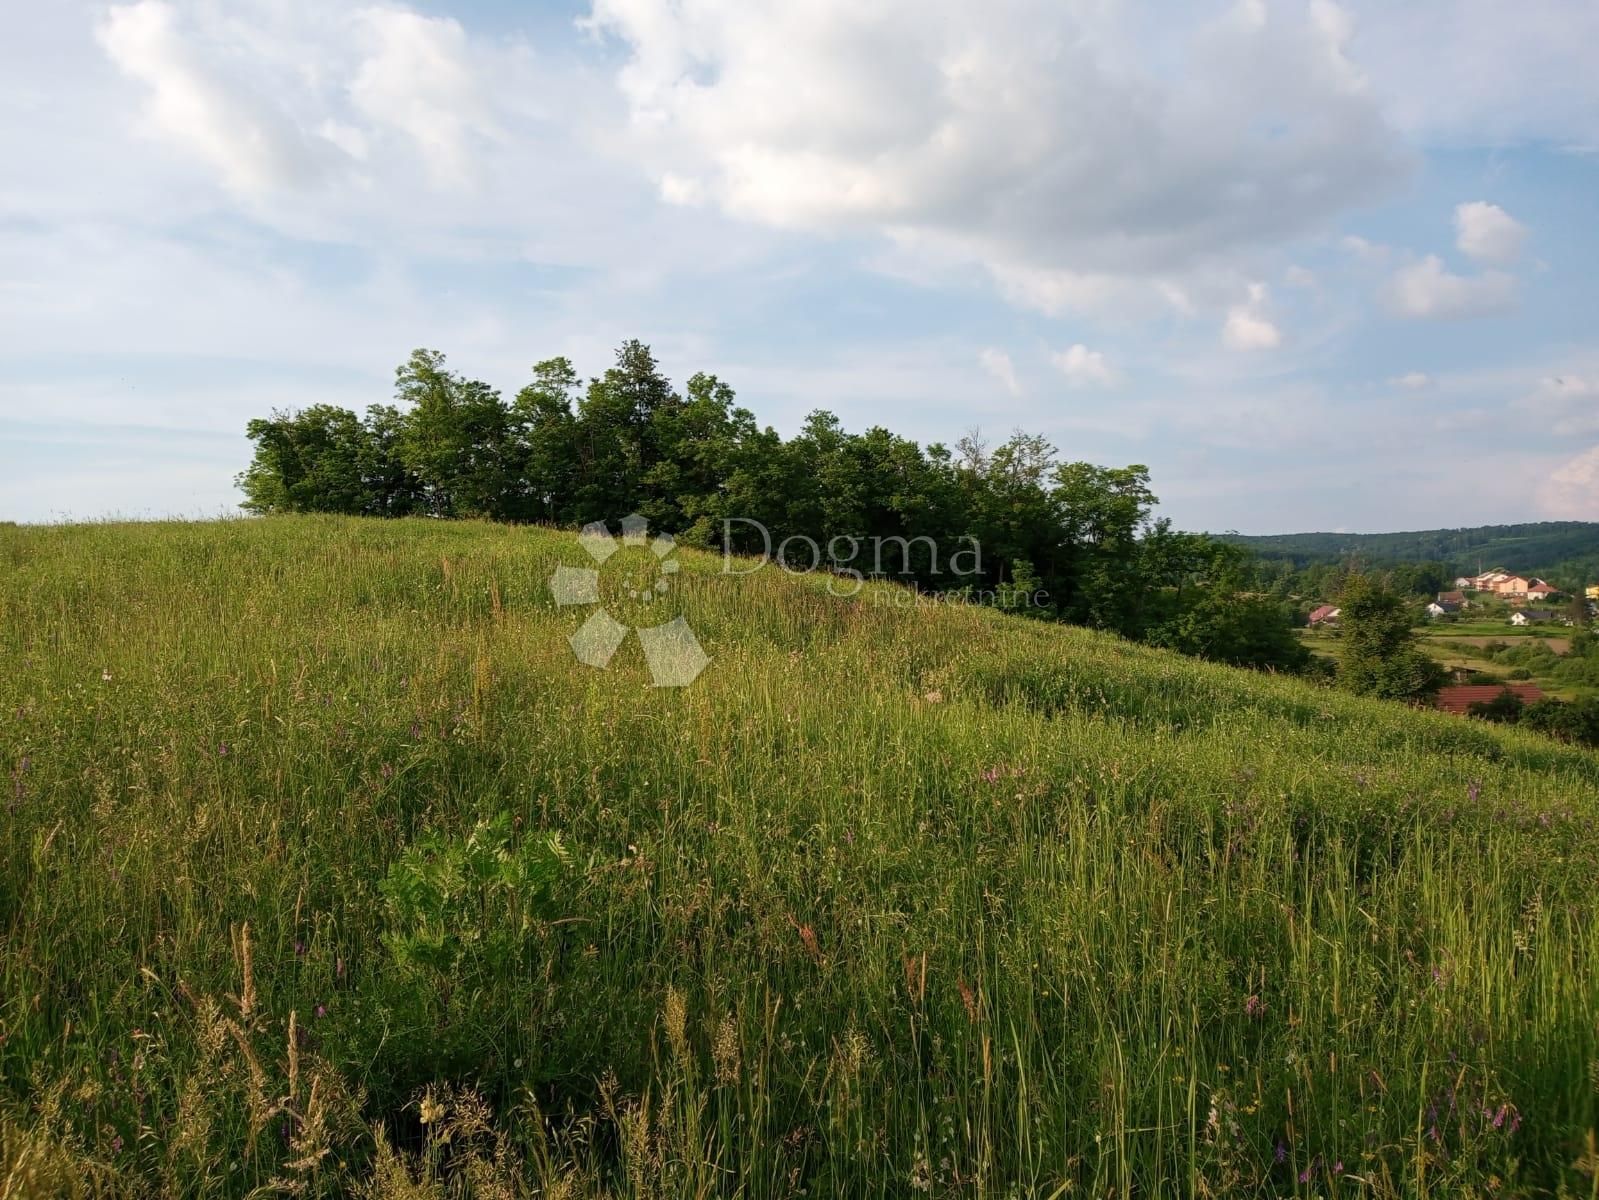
(1061, 540)
(1564, 552)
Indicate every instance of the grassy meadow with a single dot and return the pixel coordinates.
(328, 871)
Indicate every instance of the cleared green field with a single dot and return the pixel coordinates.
(891, 901)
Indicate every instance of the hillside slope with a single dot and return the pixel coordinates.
(890, 900)
(1542, 546)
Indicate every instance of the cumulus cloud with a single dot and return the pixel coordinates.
(1412, 381)
(416, 78)
(1084, 367)
(1248, 327)
(1488, 233)
(275, 98)
(1568, 404)
(998, 364)
(1571, 492)
(1044, 141)
(1429, 290)
(215, 115)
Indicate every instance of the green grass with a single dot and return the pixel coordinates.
(889, 902)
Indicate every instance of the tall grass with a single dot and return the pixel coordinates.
(891, 901)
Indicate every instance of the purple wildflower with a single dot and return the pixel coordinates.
(116, 1144)
(222, 749)
(1338, 1167)
(1281, 1154)
(321, 1011)
(1474, 791)
(387, 771)
(1254, 1007)
(299, 949)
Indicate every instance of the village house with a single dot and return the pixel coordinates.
(1531, 616)
(1444, 608)
(1459, 699)
(1540, 590)
(1326, 615)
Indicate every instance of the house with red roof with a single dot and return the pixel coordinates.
(1460, 698)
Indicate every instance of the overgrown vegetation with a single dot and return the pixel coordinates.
(893, 901)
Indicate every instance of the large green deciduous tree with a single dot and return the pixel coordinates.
(1380, 654)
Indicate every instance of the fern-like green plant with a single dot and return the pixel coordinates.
(466, 920)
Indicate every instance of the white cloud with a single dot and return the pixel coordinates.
(214, 114)
(1412, 381)
(1570, 386)
(680, 189)
(1429, 290)
(277, 97)
(1571, 492)
(1491, 73)
(1047, 142)
(1084, 367)
(1488, 233)
(998, 364)
(1567, 404)
(417, 79)
(1248, 327)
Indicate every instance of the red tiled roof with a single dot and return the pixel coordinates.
(1322, 613)
(1460, 699)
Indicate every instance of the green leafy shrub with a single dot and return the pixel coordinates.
(467, 924)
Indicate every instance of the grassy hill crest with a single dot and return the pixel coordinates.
(893, 899)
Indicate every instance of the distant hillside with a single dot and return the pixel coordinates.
(1543, 546)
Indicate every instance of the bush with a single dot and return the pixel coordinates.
(462, 923)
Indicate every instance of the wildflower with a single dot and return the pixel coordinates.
(1254, 1007)
(222, 749)
(386, 771)
(338, 968)
(1281, 1153)
(321, 1011)
(116, 1144)
(431, 1109)
(299, 949)
(1474, 791)
(1338, 1167)
(105, 676)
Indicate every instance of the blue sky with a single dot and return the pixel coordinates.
(1318, 265)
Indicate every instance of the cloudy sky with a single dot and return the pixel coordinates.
(1319, 265)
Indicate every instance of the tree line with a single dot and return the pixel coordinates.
(1080, 538)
